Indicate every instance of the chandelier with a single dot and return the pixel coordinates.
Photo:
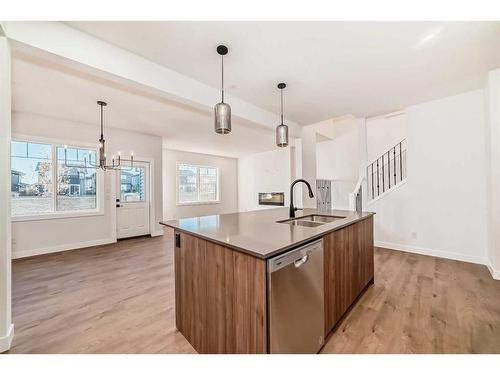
(101, 163)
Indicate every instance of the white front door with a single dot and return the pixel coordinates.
(132, 203)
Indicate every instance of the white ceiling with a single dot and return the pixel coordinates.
(42, 87)
(331, 68)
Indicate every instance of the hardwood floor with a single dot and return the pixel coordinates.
(109, 299)
(120, 299)
(422, 304)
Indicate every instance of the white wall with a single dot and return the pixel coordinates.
(493, 169)
(261, 173)
(338, 160)
(383, 132)
(308, 165)
(39, 236)
(441, 209)
(228, 184)
(6, 328)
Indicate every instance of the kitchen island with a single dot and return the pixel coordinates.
(222, 291)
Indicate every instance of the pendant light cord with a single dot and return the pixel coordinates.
(222, 78)
(281, 106)
(101, 123)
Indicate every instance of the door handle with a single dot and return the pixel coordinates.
(301, 261)
(118, 205)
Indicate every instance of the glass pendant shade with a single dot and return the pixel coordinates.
(282, 135)
(282, 129)
(222, 121)
(222, 111)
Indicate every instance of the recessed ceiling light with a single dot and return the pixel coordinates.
(428, 37)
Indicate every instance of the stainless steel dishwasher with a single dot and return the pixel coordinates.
(296, 300)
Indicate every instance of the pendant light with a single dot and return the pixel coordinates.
(101, 163)
(222, 111)
(282, 129)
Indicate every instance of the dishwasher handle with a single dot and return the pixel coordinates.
(301, 261)
(297, 257)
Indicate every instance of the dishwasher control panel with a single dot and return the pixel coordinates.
(293, 255)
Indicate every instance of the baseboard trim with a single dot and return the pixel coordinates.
(59, 248)
(157, 233)
(6, 341)
(434, 253)
(494, 273)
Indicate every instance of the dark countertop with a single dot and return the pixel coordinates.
(257, 232)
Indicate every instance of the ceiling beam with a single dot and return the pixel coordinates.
(59, 39)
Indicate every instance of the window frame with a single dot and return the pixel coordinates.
(198, 202)
(54, 143)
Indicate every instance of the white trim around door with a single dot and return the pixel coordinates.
(133, 200)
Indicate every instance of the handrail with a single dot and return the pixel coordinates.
(358, 184)
(387, 170)
(355, 198)
(403, 141)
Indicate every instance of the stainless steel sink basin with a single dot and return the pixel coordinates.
(311, 220)
(303, 223)
(321, 218)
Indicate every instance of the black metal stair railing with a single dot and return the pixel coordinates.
(386, 171)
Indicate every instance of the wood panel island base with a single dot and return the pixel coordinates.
(222, 281)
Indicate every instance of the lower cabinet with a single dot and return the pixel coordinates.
(348, 268)
(220, 293)
(220, 297)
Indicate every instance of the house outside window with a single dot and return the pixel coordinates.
(42, 184)
(132, 184)
(76, 183)
(197, 184)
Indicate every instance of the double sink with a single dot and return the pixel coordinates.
(311, 220)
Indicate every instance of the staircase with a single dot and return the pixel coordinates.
(387, 171)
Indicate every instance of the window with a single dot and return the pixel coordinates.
(197, 184)
(42, 183)
(31, 178)
(76, 183)
(132, 184)
(208, 184)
